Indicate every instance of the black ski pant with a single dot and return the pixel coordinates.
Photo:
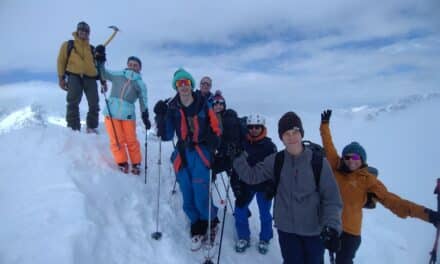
(349, 245)
(297, 249)
(76, 86)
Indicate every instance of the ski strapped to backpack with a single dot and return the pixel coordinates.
(316, 163)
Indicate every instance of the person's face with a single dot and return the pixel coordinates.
(134, 66)
(353, 161)
(83, 34)
(292, 138)
(255, 130)
(183, 87)
(218, 107)
(205, 86)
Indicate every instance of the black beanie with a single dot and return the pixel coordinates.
(288, 121)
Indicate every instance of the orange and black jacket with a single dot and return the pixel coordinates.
(196, 127)
(354, 187)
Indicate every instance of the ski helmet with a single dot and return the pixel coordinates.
(255, 119)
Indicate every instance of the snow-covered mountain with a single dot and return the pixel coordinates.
(63, 201)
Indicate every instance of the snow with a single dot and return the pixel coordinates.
(63, 200)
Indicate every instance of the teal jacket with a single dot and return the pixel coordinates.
(127, 87)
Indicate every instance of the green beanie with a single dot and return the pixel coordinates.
(355, 147)
(182, 74)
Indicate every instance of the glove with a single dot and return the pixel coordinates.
(160, 108)
(330, 238)
(434, 217)
(233, 150)
(325, 116)
(100, 54)
(62, 83)
(146, 120)
(104, 87)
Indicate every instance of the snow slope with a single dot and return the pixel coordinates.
(63, 201)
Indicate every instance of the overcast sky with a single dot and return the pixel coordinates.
(291, 52)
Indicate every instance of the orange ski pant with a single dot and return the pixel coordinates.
(126, 134)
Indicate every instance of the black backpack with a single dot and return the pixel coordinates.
(316, 162)
(71, 46)
(371, 197)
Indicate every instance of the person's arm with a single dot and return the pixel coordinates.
(331, 202)
(327, 141)
(143, 96)
(400, 207)
(262, 171)
(61, 65)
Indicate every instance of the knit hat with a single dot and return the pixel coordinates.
(219, 97)
(83, 26)
(288, 121)
(181, 74)
(206, 79)
(136, 59)
(355, 147)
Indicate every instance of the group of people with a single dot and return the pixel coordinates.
(318, 195)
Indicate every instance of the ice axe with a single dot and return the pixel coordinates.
(115, 30)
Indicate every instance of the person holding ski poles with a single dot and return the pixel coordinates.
(258, 146)
(355, 181)
(77, 74)
(120, 116)
(191, 118)
(307, 206)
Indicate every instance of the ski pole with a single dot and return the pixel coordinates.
(218, 193)
(175, 178)
(208, 258)
(157, 235)
(433, 253)
(224, 185)
(332, 257)
(146, 153)
(111, 121)
(223, 224)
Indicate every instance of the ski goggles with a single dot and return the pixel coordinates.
(254, 127)
(205, 83)
(352, 157)
(219, 101)
(183, 82)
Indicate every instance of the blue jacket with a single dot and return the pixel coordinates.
(127, 87)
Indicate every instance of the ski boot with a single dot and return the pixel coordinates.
(196, 242)
(136, 169)
(241, 245)
(263, 247)
(123, 167)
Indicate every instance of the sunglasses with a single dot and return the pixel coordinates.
(254, 127)
(352, 157)
(218, 102)
(205, 83)
(183, 82)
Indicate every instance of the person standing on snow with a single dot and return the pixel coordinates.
(258, 146)
(228, 120)
(307, 214)
(75, 61)
(191, 118)
(120, 116)
(355, 181)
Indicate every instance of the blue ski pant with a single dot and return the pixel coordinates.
(349, 245)
(242, 218)
(297, 249)
(194, 184)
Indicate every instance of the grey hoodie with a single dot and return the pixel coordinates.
(298, 207)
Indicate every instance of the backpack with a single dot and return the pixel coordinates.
(316, 163)
(371, 197)
(70, 47)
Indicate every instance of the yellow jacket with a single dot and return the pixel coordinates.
(354, 187)
(81, 59)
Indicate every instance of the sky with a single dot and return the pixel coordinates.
(64, 201)
(290, 52)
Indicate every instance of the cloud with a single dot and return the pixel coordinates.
(292, 52)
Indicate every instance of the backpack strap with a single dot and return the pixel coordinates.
(277, 166)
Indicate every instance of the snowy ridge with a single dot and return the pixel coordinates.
(370, 113)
